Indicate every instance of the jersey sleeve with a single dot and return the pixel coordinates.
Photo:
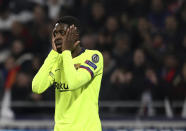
(77, 78)
(44, 77)
(93, 63)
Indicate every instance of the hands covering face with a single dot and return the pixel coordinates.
(70, 40)
(65, 38)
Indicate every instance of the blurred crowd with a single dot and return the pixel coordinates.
(143, 43)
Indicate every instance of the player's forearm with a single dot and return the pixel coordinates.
(75, 78)
(44, 78)
(40, 83)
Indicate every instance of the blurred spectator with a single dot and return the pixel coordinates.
(82, 11)
(18, 31)
(141, 34)
(4, 45)
(138, 8)
(19, 53)
(109, 67)
(174, 5)
(19, 6)
(181, 15)
(158, 14)
(180, 51)
(126, 23)
(97, 18)
(40, 30)
(181, 89)
(156, 49)
(172, 33)
(9, 71)
(1, 86)
(115, 7)
(88, 41)
(39, 18)
(121, 80)
(168, 74)
(17, 48)
(6, 20)
(180, 84)
(104, 40)
(35, 65)
(147, 97)
(122, 50)
(112, 25)
(21, 89)
(110, 30)
(138, 69)
(53, 8)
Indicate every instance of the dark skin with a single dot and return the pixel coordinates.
(65, 37)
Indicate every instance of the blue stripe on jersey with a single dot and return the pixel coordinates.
(88, 69)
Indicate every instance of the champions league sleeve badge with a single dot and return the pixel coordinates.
(95, 58)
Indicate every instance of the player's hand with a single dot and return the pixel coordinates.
(70, 39)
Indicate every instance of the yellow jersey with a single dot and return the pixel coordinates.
(77, 83)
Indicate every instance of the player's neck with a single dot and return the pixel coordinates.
(77, 51)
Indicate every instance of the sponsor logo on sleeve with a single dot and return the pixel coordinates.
(91, 64)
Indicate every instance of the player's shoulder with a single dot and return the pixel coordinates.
(94, 55)
(92, 52)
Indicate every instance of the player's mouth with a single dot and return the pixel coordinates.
(58, 46)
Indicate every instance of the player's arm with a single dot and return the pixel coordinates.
(75, 78)
(44, 77)
(78, 77)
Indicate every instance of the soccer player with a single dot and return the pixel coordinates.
(76, 74)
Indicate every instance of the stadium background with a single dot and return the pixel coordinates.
(144, 48)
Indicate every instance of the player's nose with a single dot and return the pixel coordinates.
(58, 35)
(58, 41)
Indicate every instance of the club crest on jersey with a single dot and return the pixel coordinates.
(77, 66)
(95, 58)
(91, 64)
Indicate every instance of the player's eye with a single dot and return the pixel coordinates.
(62, 32)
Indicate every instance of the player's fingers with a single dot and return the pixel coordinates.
(75, 28)
(76, 43)
(74, 32)
(70, 32)
(67, 33)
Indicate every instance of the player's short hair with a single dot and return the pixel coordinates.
(69, 20)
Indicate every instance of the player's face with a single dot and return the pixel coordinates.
(59, 32)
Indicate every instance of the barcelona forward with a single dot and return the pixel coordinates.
(76, 74)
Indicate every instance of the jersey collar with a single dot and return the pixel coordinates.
(82, 51)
